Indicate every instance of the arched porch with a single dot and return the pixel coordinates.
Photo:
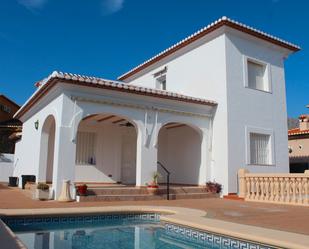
(180, 151)
(106, 149)
(47, 150)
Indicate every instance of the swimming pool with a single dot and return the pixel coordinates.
(121, 231)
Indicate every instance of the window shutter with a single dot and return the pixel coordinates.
(256, 74)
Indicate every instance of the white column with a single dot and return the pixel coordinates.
(204, 172)
(146, 151)
(146, 161)
(64, 160)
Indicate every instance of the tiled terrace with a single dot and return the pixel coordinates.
(280, 217)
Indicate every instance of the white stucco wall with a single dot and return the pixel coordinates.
(200, 70)
(250, 108)
(213, 68)
(179, 150)
(6, 166)
(27, 150)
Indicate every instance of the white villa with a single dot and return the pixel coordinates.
(205, 107)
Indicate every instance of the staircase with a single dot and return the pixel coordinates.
(125, 193)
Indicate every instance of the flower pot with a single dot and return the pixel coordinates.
(42, 194)
(82, 190)
(153, 189)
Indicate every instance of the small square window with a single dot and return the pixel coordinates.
(260, 149)
(257, 76)
(161, 82)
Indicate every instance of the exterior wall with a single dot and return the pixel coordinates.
(249, 108)
(6, 166)
(179, 150)
(213, 68)
(299, 146)
(199, 70)
(28, 149)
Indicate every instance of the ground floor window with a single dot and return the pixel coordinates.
(85, 148)
(260, 149)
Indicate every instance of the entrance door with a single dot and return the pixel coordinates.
(128, 162)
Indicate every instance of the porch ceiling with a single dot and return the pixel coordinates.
(106, 119)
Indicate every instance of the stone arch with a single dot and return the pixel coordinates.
(112, 138)
(47, 149)
(179, 146)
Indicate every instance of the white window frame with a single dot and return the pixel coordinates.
(159, 82)
(262, 131)
(158, 75)
(267, 76)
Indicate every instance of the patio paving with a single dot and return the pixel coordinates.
(281, 217)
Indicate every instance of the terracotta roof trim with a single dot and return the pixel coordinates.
(77, 79)
(207, 29)
(297, 131)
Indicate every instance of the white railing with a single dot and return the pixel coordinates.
(278, 188)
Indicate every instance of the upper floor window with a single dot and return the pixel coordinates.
(5, 108)
(161, 82)
(160, 78)
(257, 75)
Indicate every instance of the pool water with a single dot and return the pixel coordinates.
(119, 231)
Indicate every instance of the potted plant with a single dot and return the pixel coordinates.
(213, 187)
(42, 191)
(153, 186)
(82, 189)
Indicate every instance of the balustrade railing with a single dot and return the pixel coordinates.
(274, 188)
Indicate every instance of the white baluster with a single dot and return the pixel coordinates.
(276, 199)
(305, 183)
(248, 189)
(293, 190)
(257, 188)
(300, 191)
(282, 192)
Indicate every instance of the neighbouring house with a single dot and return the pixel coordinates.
(204, 107)
(8, 125)
(299, 146)
(10, 130)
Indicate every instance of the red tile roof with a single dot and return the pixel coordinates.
(297, 131)
(76, 79)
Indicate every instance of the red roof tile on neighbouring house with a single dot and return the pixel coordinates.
(297, 131)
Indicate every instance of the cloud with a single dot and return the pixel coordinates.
(111, 6)
(32, 4)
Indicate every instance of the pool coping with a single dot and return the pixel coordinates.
(193, 218)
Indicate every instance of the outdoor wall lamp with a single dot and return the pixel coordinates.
(36, 124)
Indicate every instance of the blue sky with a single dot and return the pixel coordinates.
(105, 38)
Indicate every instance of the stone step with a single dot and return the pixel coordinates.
(143, 191)
(144, 197)
(117, 191)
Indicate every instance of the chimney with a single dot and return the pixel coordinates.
(303, 122)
